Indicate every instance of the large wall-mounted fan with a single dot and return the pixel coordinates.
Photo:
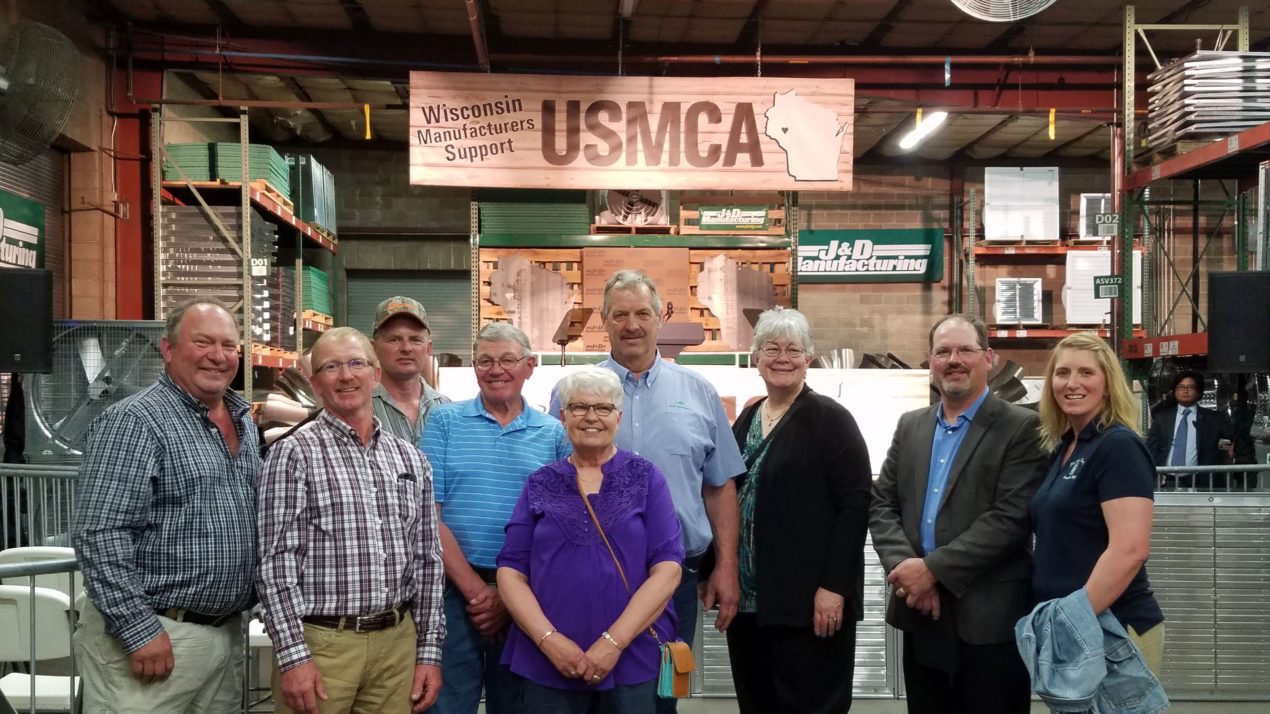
(39, 79)
(1002, 10)
(95, 364)
(632, 207)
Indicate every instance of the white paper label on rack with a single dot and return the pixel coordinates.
(1148, 350)
(259, 267)
(1232, 144)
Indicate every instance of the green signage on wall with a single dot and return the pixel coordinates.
(21, 232)
(903, 255)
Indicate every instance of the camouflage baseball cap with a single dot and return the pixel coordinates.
(400, 305)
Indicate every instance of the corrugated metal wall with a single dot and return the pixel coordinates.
(444, 294)
(43, 180)
(714, 672)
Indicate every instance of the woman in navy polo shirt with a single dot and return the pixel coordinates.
(1092, 515)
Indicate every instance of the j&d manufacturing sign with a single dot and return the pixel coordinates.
(21, 232)
(871, 256)
(534, 131)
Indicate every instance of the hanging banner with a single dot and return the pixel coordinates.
(21, 232)
(535, 131)
(904, 255)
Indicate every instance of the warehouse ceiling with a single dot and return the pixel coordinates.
(999, 81)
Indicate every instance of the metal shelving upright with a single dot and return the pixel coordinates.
(270, 207)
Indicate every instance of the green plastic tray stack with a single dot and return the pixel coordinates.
(558, 212)
(223, 160)
(313, 191)
(317, 291)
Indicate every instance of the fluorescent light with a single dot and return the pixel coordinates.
(927, 127)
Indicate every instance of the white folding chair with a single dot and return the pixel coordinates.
(50, 611)
(39, 553)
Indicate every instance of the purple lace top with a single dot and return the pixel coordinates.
(551, 539)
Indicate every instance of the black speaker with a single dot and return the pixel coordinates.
(1239, 321)
(26, 320)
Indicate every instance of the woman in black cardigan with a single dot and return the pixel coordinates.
(804, 515)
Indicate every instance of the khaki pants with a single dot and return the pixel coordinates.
(206, 673)
(1151, 645)
(363, 672)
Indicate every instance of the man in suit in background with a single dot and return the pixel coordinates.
(1186, 434)
(950, 523)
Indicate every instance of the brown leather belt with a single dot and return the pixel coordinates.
(197, 618)
(373, 622)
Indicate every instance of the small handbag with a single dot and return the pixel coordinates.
(675, 673)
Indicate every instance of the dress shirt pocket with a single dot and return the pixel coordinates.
(409, 499)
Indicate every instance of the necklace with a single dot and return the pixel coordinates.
(769, 420)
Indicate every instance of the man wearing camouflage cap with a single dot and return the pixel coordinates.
(403, 345)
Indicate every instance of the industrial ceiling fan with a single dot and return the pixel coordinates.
(39, 80)
(1002, 10)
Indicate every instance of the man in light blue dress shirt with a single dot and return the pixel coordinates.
(673, 417)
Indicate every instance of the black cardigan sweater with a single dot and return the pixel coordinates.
(811, 513)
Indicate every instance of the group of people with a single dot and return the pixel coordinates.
(413, 553)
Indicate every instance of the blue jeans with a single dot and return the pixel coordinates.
(629, 699)
(686, 606)
(469, 662)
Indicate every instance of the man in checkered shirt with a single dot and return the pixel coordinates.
(350, 572)
(163, 528)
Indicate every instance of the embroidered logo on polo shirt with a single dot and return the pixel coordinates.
(1073, 469)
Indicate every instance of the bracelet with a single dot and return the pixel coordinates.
(612, 641)
(547, 634)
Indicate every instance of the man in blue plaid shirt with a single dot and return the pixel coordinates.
(164, 530)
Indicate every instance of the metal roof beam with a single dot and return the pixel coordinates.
(356, 15)
(752, 31)
(224, 15)
(885, 25)
(303, 95)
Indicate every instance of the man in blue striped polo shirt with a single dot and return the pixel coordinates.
(482, 450)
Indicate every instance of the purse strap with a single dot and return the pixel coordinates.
(620, 571)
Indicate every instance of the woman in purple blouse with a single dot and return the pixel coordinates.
(582, 637)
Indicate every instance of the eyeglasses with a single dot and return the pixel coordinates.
(356, 364)
(1186, 387)
(794, 351)
(578, 409)
(485, 364)
(943, 354)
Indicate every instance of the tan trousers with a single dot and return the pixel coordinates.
(206, 672)
(363, 672)
(1151, 645)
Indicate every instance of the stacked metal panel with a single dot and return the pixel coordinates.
(317, 291)
(1207, 95)
(198, 261)
(313, 192)
(206, 162)
(283, 320)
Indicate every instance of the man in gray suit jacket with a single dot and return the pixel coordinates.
(950, 523)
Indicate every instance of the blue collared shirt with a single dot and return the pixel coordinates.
(165, 515)
(673, 417)
(943, 450)
(480, 466)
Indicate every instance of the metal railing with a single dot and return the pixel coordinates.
(36, 504)
(10, 572)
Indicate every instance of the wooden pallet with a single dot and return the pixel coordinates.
(568, 262)
(316, 316)
(264, 186)
(606, 229)
(324, 233)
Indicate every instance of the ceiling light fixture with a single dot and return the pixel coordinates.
(924, 128)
